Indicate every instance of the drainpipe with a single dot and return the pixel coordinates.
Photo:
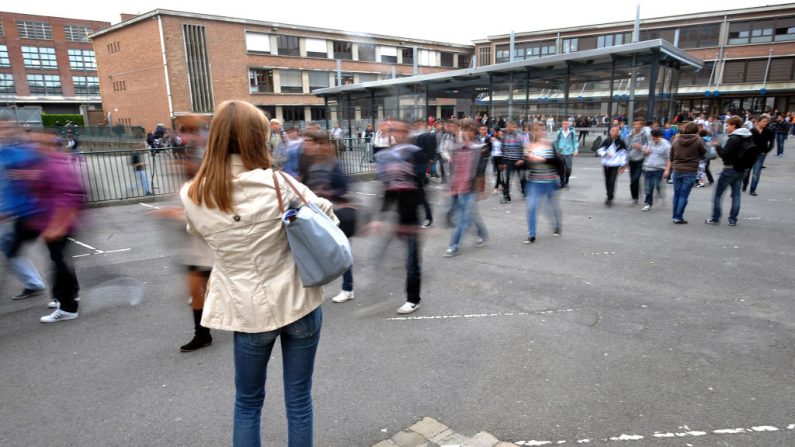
(165, 68)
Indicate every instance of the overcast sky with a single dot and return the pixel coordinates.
(434, 20)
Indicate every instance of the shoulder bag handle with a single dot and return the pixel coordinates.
(279, 193)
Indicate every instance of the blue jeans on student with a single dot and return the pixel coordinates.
(466, 213)
(299, 342)
(537, 192)
(683, 184)
(729, 177)
(143, 179)
(20, 266)
(755, 172)
(781, 137)
(651, 181)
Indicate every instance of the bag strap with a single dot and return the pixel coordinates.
(291, 185)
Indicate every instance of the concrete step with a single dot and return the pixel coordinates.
(429, 432)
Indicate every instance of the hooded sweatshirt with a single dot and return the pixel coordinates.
(686, 152)
(730, 152)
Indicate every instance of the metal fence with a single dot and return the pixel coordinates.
(110, 175)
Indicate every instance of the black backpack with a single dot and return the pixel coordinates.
(747, 155)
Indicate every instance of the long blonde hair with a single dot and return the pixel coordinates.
(237, 128)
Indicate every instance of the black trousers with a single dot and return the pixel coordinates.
(635, 171)
(611, 175)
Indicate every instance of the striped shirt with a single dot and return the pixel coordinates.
(543, 172)
(513, 146)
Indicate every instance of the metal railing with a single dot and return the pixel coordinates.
(110, 175)
(354, 155)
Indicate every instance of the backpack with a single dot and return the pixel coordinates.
(747, 155)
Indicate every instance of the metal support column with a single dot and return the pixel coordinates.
(427, 104)
(527, 95)
(351, 112)
(325, 106)
(510, 96)
(610, 99)
(373, 108)
(397, 102)
(566, 87)
(653, 74)
(491, 96)
(633, 84)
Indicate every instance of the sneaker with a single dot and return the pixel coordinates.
(54, 303)
(680, 222)
(343, 296)
(58, 315)
(712, 222)
(28, 293)
(700, 185)
(427, 224)
(753, 193)
(732, 223)
(646, 208)
(450, 252)
(530, 240)
(558, 231)
(480, 243)
(408, 308)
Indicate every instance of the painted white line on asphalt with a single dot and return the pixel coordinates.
(81, 256)
(623, 438)
(82, 244)
(118, 251)
(492, 315)
(150, 206)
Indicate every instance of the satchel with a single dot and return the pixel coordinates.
(322, 252)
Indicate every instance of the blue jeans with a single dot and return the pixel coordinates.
(780, 138)
(19, 265)
(754, 173)
(143, 179)
(299, 342)
(728, 178)
(683, 183)
(537, 192)
(466, 212)
(651, 181)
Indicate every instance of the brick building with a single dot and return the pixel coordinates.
(48, 62)
(163, 64)
(749, 56)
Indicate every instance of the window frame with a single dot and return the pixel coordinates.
(52, 61)
(7, 85)
(291, 88)
(85, 88)
(367, 45)
(254, 87)
(5, 59)
(254, 37)
(82, 61)
(288, 50)
(56, 89)
(342, 50)
(45, 32)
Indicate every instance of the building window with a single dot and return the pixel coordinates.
(4, 60)
(119, 86)
(665, 33)
(258, 43)
(269, 111)
(76, 33)
(2, 31)
(318, 113)
(429, 58)
(535, 49)
(37, 57)
(343, 50)
(785, 29)
(260, 80)
(734, 72)
(368, 77)
(290, 81)
(86, 85)
(569, 45)
(288, 46)
(762, 31)
(446, 59)
(114, 47)
(367, 52)
(82, 59)
(739, 33)
(464, 60)
(198, 67)
(346, 78)
(293, 113)
(586, 43)
(34, 30)
(408, 55)
(44, 84)
(7, 83)
(503, 54)
(316, 48)
(388, 55)
(780, 69)
(611, 40)
(318, 79)
(699, 36)
(484, 56)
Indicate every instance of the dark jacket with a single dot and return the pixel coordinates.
(426, 141)
(780, 126)
(686, 152)
(764, 140)
(732, 152)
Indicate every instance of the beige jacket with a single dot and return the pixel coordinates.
(254, 285)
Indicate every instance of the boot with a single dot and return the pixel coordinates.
(201, 336)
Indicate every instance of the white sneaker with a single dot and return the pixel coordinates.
(480, 243)
(646, 208)
(58, 315)
(408, 308)
(343, 296)
(54, 303)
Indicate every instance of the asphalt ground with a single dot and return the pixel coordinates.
(626, 327)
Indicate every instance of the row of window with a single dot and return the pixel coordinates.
(367, 52)
(261, 80)
(29, 29)
(44, 58)
(51, 84)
